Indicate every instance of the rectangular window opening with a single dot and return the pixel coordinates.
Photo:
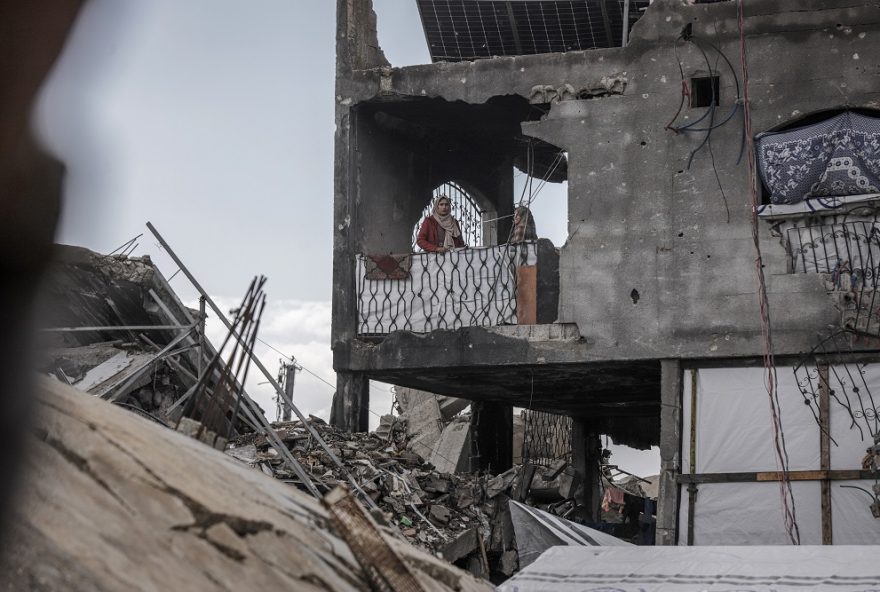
(705, 89)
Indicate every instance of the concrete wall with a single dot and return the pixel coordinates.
(392, 188)
(653, 268)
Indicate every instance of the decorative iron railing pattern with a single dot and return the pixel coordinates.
(431, 291)
(465, 209)
(848, 249)
(849, 252)
(546, 437)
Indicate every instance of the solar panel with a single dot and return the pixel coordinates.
(459, 30)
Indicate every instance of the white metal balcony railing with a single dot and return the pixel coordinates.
(423, 292)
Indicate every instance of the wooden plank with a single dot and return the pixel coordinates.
(772, 476)
(825, 452)
(670, 451)
(527, 295)
(692, 485)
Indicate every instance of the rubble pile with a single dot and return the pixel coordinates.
(462, 517)
(112, 326)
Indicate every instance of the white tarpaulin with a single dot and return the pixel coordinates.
(734, 431)
(701, 569)
(536, 531)
(751, 513)
(734, 435)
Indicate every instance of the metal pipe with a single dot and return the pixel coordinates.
(135, 374)
(258, 363)
(119, 328)
(625, 35)
(202, 317)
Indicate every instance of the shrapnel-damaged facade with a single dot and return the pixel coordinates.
(647, 324)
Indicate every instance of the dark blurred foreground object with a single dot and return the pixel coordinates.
(32, 35)
(113, 501)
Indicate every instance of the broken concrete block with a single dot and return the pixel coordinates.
(525, 482)
(500, 483)
(569, 480)
(396, 504)
(436, 485)
(207, 437)
(552, 471)
(386, 423)
(509, 562)
(451, 406)
(424, 424)
(188, 427)
(452, 453)
(462, 546)
(503, 536)
(207, 522)
(246, 453)
(464, 497)
(440, 513)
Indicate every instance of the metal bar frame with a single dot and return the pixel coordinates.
(259, 364)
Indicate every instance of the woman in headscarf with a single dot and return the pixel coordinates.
(440, 231)
(523, 226)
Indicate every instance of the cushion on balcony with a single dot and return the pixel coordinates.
(387, 267)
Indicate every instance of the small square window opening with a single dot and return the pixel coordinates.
(704, 90)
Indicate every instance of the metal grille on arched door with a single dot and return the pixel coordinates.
(465, 210)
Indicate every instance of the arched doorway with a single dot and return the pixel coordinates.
(466, 210)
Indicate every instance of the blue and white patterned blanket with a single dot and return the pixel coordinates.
(836, 157)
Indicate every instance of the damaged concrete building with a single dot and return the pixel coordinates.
(726, 318)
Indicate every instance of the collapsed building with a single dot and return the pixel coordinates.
(112, 326)
(715, 293)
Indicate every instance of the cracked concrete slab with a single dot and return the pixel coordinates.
(111, 501)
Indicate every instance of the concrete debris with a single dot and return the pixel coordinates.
(447, 514)
(449, 407)
(111, 501)
(452, 452)
(113, 327)
(462, 517)
(424, 425)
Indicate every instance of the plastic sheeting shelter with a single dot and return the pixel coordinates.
(703, 569)
(733, 434)
(537, 530)
(835, 157)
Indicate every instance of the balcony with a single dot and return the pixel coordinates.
(474, 287)
(838, 238)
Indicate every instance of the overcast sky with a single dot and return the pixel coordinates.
(214, 120)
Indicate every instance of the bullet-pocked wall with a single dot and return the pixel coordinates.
(660, 261)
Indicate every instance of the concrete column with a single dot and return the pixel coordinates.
(289, 381)
(351, 402)
(586, 448)
(492, 436)
(670, 450)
